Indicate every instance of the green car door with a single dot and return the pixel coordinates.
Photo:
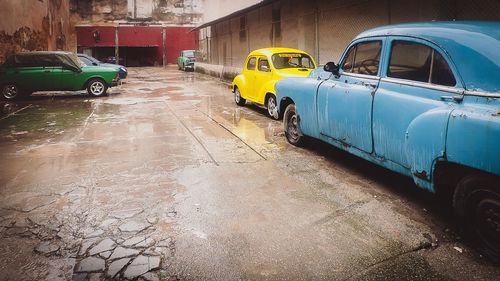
(33, 73)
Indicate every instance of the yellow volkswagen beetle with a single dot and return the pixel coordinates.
(262, 69)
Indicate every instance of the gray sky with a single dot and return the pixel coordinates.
(218, 8)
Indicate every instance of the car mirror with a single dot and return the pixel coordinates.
(331, 67)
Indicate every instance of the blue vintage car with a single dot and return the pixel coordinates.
(420, 99)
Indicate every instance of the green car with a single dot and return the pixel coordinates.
(25, 73)
(186, 60)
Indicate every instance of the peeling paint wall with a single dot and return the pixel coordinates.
(174, 12)
(33, 25)
(96, 11)
(167, 11)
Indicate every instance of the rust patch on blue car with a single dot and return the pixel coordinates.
(421, 175)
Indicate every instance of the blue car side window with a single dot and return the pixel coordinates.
(418, 62)
(363, 58)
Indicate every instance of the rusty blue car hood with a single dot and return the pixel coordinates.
(473, 46)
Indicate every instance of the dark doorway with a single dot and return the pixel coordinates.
(139, 56)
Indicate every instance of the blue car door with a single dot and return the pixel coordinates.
(345, 102)
(415, 97)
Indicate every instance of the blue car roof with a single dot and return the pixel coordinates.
(474, 47)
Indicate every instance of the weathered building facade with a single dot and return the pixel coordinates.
(136, 32)
(321, 27)
(33, 25)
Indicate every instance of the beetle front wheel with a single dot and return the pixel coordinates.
(237, 97)
(272, 109)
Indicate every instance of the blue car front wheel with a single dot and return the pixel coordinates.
(292, 127)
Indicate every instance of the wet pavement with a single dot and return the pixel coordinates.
(167, 179)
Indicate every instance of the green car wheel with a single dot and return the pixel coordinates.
(11, 91)
(97, 87)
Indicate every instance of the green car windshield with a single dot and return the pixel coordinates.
(71, 60)
(189, 54)
(292, 60)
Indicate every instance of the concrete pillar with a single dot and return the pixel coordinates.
(164, 46)
(117, 46)
(316, 33)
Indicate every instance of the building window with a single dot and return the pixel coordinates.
(277, 22)
(243, 28)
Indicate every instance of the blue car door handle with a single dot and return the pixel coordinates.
(371, 85)
(453, 98)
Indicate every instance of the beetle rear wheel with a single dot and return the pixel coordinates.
(477, 200)
(291, 126)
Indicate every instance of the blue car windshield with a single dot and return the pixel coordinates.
(292, 60)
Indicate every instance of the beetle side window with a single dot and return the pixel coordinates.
(251, 63)
(418, 62)
(264, 65)
(363, 58)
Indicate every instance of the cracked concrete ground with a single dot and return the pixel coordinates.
(167, 179)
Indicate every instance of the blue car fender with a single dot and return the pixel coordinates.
(473, 137)
(301, 92)
(426, 143)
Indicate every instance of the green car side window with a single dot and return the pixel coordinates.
(27, 61)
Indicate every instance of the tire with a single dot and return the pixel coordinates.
(291, 127)
(271, 106)
(477, 201)
(11, 91)
(237, 97)
(97, 87)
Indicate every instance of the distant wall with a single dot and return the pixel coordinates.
(226, 73)
(33, 26)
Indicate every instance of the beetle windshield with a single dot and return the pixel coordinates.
(292, 60)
